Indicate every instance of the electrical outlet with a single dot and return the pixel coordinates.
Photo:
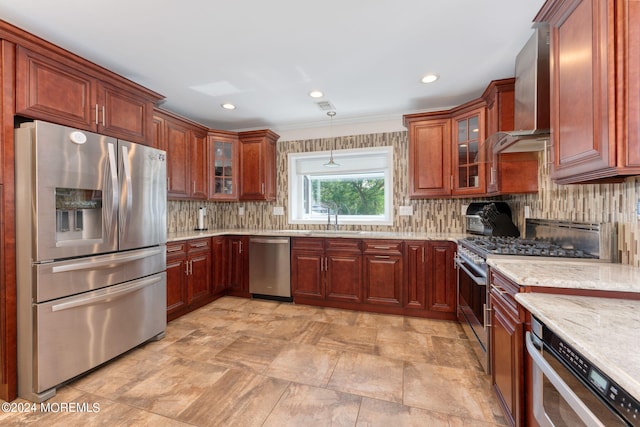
(278, 210)
(405, 211)
(241, 210)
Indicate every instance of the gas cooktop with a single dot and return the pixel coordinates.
(492, 245)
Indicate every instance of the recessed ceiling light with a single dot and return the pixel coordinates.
(316, 94)
(430, 78)
(228, 106)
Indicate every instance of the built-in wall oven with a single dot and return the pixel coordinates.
(568, 390)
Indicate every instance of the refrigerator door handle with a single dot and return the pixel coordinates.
(111, 215)
(110, 262)
(107, 296)
(128, 189)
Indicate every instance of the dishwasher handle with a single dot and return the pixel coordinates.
(276, 240)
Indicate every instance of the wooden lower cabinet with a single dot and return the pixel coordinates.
(326, 270)
(507, 347)
(189, 283)
(441, 277)
(219, 264)
(238, 250)
(414, 278)
(383, 272)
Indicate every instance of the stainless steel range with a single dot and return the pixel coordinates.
(543, 238)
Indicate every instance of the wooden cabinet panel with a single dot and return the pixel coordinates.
(506, 173)
(441, 282)
(415, 294)
(258, 165)
(198, 165)
(124, 115)
(344, 277)
(630, 83)
(468, 136)
(159, 140)
(177, 137)
(54, 91)
(595, 71)
(177, 296)
(223, 166)
(429, 156)
(307, 274)
(200, 276)
(59, 90)
(580, 75)
(238, 266)
(507, 348)
(219, 264)
(383, 279)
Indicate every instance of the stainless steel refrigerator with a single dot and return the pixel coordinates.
(90, 241)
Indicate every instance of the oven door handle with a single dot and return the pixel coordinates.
(540, 367)
(479, 280)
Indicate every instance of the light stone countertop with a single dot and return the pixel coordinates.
(604, 330)
(554, 273)
(186, 235)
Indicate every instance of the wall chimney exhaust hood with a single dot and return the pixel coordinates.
(532, 98)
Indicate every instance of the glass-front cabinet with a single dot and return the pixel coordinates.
(468, 166)
(223, 161)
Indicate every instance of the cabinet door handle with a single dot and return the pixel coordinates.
(240, 248)
(382, 247)
(322, 264)
(186, 268)
(168, 182)
(326, 263)
(97, 122)
(103, 117)
(382, 256)
(423, 255)
(263, 187)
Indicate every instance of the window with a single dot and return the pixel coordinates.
(359, 189)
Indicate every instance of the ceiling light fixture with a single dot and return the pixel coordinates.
(316, 94)
(228, 106)
(430, 78)
(331, 163)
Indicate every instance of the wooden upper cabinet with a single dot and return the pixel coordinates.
(506, 173)
(594, 88)
(54, 91)
(177, 142)
(223, 165)
(61, 90)
(187, 159)
(429, 155)
(468, 127)
(444, 151)
(124, 115)
(258, 169)
(199, 164)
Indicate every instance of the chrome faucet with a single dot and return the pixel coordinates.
(335, 224)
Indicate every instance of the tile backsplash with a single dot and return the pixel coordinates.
(589, 202)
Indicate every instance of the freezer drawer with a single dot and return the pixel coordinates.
(78, 333)
(64, 278)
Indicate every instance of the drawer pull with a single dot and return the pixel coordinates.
(382, 256)
(382, 247)
(498, 290)
(199, 245)
(174, 249)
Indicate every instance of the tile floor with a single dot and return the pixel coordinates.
(241, 362)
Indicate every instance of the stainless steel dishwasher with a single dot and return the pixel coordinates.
(269, 267)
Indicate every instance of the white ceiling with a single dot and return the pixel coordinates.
(367, 56)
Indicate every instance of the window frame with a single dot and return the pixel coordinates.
(296, 184)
